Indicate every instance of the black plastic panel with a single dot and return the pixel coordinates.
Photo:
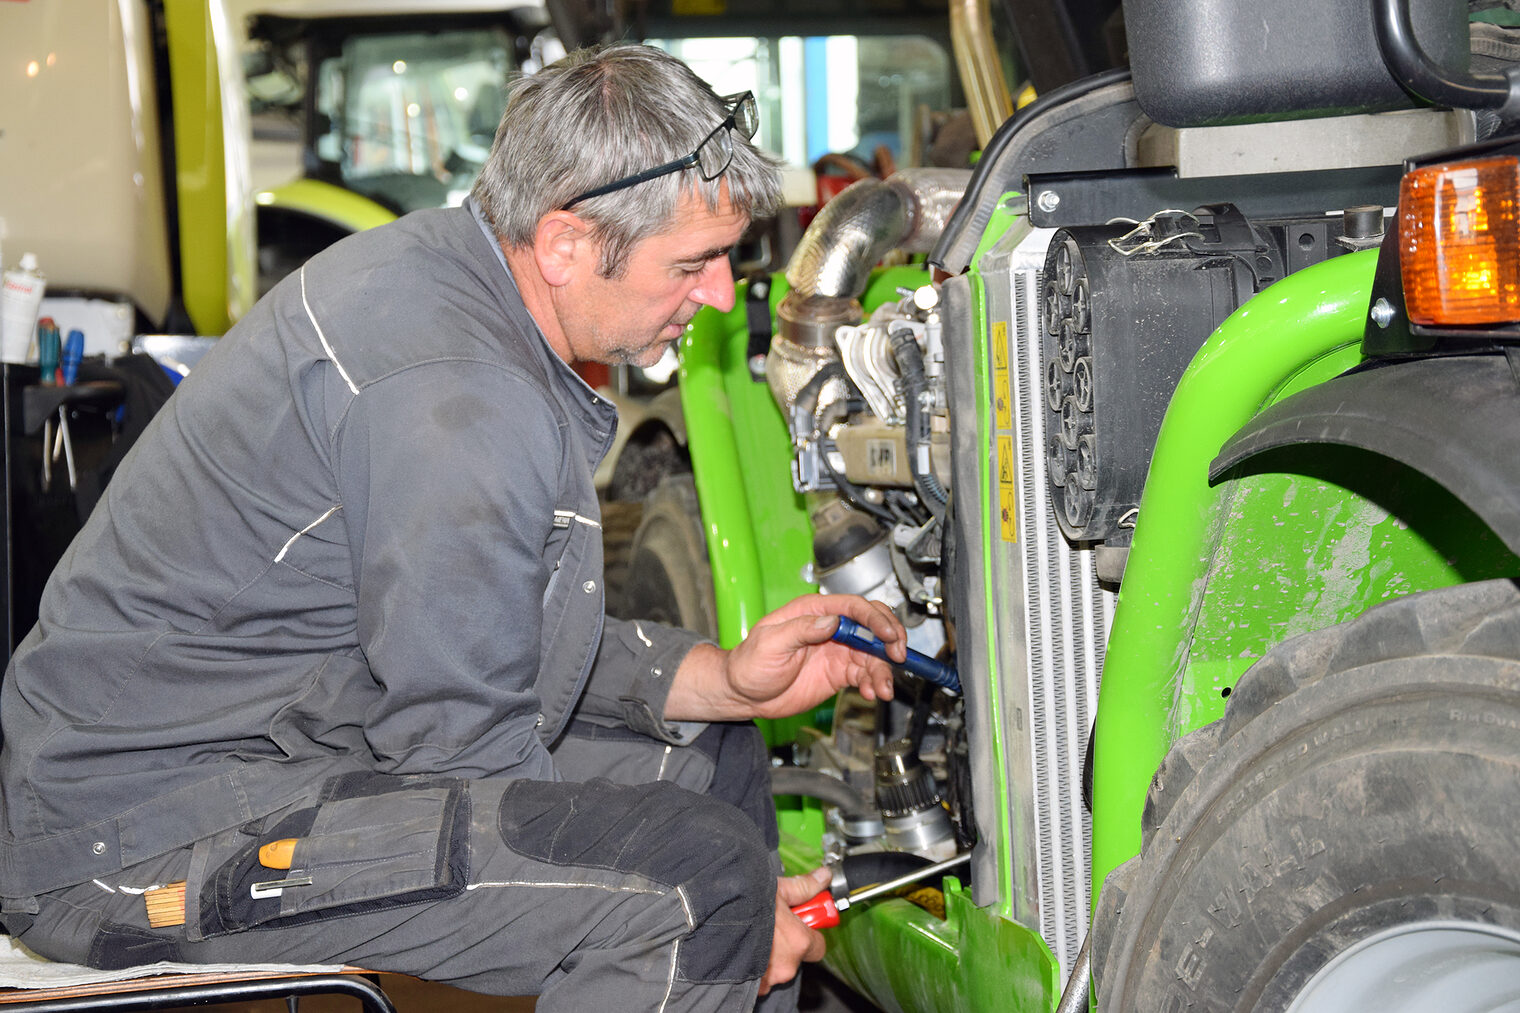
(1240, 61)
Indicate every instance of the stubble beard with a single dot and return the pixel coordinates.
(644, 354)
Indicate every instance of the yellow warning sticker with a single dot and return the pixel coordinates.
(1001, 394)
(1007, 499)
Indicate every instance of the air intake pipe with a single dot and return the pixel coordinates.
(830, 268)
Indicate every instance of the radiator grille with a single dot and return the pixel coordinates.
(1049, 640)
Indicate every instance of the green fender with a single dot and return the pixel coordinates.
(1219, 573)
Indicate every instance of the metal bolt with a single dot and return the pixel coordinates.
(1382, 313)
(1048, 201)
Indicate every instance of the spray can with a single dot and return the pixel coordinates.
(19, 303)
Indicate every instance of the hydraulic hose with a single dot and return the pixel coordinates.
(911, 384)
(807, 404)
(825, 788)
(867, 868)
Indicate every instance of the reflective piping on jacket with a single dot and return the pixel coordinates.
(286, 547)
(562, 519)
(670, 979)
(323, 337)
(557, 884)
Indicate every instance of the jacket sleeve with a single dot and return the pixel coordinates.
(631, 679)
(448, 474)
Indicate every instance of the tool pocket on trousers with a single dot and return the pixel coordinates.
(354, 854)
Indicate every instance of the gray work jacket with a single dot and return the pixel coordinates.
(362, 535)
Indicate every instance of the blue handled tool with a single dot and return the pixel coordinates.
(73, 352)
(852, 634)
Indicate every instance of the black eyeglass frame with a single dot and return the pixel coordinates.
(730, 123)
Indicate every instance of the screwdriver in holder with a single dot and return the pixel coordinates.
(852, 634)
(822, 911)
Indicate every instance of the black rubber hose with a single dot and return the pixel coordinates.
(825, 788)
(912, 383)
(871, 867)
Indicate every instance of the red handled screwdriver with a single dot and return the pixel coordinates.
(822, 911)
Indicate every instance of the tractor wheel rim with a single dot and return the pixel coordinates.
(1454, 967)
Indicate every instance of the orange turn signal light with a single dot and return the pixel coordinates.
(1459, 235)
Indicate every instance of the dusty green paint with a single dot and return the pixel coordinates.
(330, 203)
(1006, 215)
(1302, 540)
(1326, 534)
(903, 958)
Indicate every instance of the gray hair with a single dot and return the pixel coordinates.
(600, 114)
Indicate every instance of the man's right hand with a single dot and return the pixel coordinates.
(793, 941)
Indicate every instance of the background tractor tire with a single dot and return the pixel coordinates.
(1346, 837)
(669, 579)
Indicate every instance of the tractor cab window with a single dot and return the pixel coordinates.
(407, 119)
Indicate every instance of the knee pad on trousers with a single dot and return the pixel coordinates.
(678, 838)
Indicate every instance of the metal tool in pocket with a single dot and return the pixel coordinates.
(277, 855)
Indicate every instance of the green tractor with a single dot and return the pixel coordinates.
(1193, 446)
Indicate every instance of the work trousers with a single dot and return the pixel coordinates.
(645, 881)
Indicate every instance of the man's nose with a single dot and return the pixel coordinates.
(715, 286)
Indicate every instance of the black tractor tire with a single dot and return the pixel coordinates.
(644, 461)
(620, 521)
(669, 579)
(1347, 836)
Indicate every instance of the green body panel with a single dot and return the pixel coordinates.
(1307, 538)
(216, 242)
(1007, 215)
(905, 958)
(317, 199)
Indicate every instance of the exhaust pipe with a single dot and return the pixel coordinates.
(830, 268)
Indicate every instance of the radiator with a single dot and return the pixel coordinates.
(1034, 652)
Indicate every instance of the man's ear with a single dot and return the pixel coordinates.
(563, 246)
